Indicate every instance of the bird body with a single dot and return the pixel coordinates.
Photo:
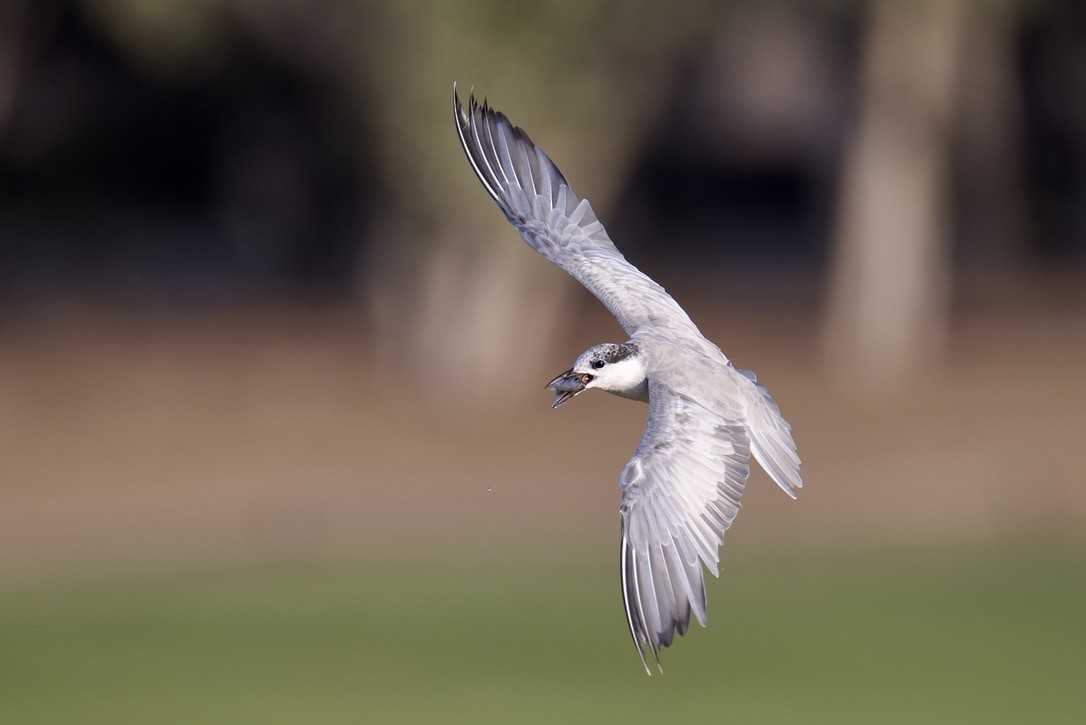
(682, 487)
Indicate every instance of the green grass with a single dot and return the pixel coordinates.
(980, 636)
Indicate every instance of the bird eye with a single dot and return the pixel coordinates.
(597, 364)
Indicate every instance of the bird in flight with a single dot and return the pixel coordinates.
(681, 490)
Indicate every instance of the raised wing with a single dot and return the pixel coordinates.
(680, 493)
(558, 224)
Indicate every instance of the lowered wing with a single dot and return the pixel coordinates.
(680, 493)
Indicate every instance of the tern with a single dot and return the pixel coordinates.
(681, 490)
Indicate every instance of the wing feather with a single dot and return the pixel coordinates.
(538, 201)
(680, 492)
(631, 600)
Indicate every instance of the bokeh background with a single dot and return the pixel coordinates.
(274, 446)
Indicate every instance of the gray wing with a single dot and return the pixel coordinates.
(680, 493)
(558, 224)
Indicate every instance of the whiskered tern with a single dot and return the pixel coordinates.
(682, 487)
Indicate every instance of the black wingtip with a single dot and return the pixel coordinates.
(458, 107)
(483, 130)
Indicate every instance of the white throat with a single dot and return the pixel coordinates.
(626, 378)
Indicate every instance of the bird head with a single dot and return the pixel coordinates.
(611, 367)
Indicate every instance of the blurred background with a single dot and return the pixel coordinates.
(274, 444)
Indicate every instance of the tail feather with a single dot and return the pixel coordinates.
(771, 439)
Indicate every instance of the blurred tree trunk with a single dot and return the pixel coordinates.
(992, 179)
(13, 19)
(889, 295)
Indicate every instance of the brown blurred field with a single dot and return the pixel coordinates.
(136, 438)
(230, 517)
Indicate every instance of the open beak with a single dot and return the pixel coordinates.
(567, 385)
